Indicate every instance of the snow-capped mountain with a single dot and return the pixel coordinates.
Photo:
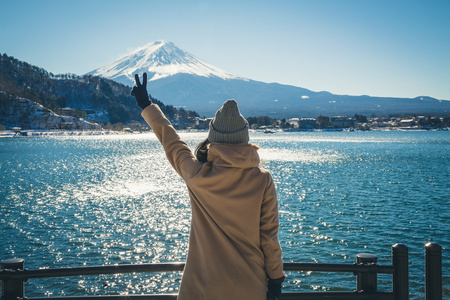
(178, 78)
(160, 60)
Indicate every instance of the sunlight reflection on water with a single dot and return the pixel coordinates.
(94, 200)
(303, 156)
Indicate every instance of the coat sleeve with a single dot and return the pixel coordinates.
(269, 233)
(177, 151)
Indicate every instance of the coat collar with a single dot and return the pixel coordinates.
(234, 155)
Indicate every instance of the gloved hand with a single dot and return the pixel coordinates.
(140, 92)
(273, 291)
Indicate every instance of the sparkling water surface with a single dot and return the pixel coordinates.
(101, 200)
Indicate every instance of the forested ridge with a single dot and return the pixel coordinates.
(20, 79)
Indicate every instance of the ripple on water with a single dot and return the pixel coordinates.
(77, 201)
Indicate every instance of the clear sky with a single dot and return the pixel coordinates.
(398, 48)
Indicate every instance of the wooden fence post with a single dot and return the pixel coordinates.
(12, 289)
(400, 279)
(366, 282)
(433, 271)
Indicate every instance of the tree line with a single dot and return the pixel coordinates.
(19, 79)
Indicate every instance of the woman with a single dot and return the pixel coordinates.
(234, 251)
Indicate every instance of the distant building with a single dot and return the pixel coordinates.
(133, 123)
(307, 123)
(293, 122)
(407, 123)
(342, 122)
(67, 125)
(202, 123)
(67, 111)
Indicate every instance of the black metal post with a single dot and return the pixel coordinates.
(400, 279)
(12, 289)
(366, 282)
(433, 271)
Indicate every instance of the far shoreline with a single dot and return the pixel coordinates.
(68, 133)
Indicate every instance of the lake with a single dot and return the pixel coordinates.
(69, 201)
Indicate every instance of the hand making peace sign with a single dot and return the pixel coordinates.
(140, 92)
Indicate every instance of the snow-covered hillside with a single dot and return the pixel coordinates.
(159, 59)
(34, 116)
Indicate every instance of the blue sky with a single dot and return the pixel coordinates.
(398, 48)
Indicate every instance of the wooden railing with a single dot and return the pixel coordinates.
(13, 277)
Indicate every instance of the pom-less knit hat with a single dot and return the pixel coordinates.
(228, 126)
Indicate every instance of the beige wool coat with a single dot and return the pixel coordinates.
(233, 242)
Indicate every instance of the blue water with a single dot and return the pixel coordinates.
(101, 200)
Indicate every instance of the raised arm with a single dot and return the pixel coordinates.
(177, 151)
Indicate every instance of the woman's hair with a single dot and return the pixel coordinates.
(201, 151)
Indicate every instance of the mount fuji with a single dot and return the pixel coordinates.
(179, 78)
(160, 59)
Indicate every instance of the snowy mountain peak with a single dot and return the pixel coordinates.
(159, 59)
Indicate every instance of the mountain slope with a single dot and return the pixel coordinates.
(105, 100)
(160, 60)
(181, 79)
(206, 95)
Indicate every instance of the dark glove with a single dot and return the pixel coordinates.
(140, 92)
(273, 291)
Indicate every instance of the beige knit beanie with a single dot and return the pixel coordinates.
(228, 126)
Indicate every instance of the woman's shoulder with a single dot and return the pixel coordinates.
(264, 173)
